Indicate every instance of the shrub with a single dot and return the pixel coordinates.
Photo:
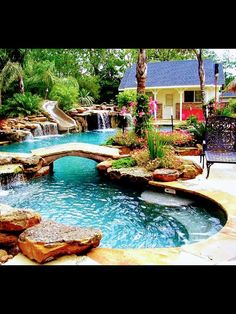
(169, 160)
(192, 120)
(198, 131)
(21, 105)
(66, 92)
(177, 138)
(141, 157)
(90, 84)
(128, 138)
(124, 163)
(85, 98)
(232, 105)
(39, 76)
(125, 98)
(156, 145)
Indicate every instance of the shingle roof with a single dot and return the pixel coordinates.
(229, 94)
(173, 73)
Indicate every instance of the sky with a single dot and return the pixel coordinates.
(220, 52)
(230, 52)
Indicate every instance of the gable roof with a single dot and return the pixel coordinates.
(173, 73)
(229, 94)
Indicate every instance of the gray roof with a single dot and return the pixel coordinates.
(173, 73)
(229, 94)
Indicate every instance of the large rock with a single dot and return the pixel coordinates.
(49, 240)
(14, 219)
(104, 165)
(137, 175)
(29, 160)
(191, 170)
(166, 175)
(42, 172)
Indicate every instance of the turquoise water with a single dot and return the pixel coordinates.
(76, 195)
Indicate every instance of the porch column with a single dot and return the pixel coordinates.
(180, 91)
(155, 108)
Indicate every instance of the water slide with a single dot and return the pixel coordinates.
(64, 122)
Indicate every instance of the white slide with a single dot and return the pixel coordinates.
(64, 122)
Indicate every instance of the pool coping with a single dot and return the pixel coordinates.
(215, 250)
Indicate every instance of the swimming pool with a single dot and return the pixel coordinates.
(75, 194)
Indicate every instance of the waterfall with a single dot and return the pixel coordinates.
(129, 119)
(103, 120)
(29, 137)
(49, 128)
(38, 131)
(11, 179)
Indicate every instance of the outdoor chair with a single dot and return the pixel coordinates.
(220, 141)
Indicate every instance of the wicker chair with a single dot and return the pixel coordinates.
(220, 143)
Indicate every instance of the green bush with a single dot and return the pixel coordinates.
(21, 105)
(191, 120)
(141, 157)
(232, 105)
(90, 84)
(66, 92)
(39, 76)
(125, 98)
(156, 146)
(84, 98)
(124, 163)
(128, 138)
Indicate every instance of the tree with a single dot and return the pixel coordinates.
(141, 71)
(12, 71)
(141, 111)
(201, 73)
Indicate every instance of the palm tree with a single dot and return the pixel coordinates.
(141, 71)
(201, 73)
(11, 72)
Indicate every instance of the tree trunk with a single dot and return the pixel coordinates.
(21, 85)
(201, 73)
(141, 71)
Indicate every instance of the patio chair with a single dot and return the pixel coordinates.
(220, 142)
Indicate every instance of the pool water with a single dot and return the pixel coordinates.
(76, 195)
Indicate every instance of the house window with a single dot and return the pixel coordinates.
(188, 96)
(192, 96)
(197, 95)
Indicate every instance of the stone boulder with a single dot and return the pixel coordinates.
(104, 165)
(49, 240)
(42, 172)
(191, 170)
(27, 160)
(14, 219)
(165, 175)
(136, 175)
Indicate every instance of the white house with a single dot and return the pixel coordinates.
(176, 87)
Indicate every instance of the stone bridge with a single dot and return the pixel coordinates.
(91, 151)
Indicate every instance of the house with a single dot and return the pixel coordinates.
(226, 97)
(176, 86)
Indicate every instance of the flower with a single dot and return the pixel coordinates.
(123, 111)
(141, 113)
